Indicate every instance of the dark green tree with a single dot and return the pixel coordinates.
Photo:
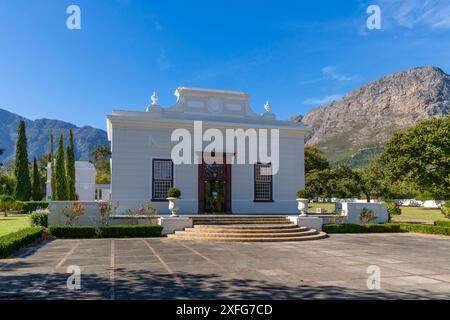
(51, 159)
(21, 170)
(70, 169)
(60, 173)
(2, 151)
(321, 183)
(314, 159)
(36, 193)
(420, 156)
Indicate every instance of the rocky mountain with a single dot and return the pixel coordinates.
(38, 134)
(354, 128)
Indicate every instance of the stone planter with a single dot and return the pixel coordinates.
(302, 206)
(173, 205)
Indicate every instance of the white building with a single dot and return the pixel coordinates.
(85, 186)
(143, 169)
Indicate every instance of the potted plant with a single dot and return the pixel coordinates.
(303, 197)
(173, 196)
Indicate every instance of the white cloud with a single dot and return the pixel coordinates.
(330, 72)
(162, 62)
(434, 14)
(323, 100)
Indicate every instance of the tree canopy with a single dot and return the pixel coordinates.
(314, 159)
(420, 156)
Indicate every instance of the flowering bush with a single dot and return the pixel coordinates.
(73, 212)
(106, 210)
(145, 210)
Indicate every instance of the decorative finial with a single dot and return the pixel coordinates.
(154, 99)
(267, 106)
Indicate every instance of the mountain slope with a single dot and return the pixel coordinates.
(361, 122)
(38, 134)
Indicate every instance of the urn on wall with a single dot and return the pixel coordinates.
(173, 196)
(303, 197)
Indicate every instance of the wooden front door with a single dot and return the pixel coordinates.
(214, 188)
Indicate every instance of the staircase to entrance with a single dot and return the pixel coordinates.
(246, 229)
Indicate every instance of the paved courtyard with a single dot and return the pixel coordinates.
(412, 267)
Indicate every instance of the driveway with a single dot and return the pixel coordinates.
(411, 267)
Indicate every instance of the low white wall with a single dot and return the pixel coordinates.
(310, 222)
(91, 216)
(352, 210)
(419, 203)
(172, 224)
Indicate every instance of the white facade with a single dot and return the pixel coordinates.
(84, 180)
(138, 139)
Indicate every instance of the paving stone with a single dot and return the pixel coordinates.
(412, 267)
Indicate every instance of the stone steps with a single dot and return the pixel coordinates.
(215, 220)
(246, 229)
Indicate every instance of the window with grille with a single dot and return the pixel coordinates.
(162, 178)
(263, 182)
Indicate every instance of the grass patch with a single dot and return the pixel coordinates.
(419, 214)
(12, 242)
(327, 206)
(13, 223)
(361, 228)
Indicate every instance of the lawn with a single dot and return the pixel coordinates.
(13, 223)
(418, 214)
(327, 206)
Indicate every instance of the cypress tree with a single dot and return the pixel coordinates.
(60, 172)
(51, 159)
(21, 170)
(36, 186)
(70, 168)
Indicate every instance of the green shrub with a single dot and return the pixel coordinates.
(173, 193)
(425, 228)
(39, 219)
(11, 206)
(303, 194)
(442, 223)
(445, 209)
(393, 210)
(146, 230)
(72, 231)
(360, 228)
(14, 241)
(31, 206)
(6, 198)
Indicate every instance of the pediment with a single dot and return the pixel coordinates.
(212, 102)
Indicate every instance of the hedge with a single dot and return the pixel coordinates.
(39, 219)
(147, 230)
(425, 228)
(10, 206)
(72, 231)
(360, 228)
(12, 242)
(31, 206)
(442, 223)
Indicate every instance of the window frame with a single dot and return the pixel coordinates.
(256, 182)
(153, 199)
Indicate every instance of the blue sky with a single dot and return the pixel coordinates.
(297, 54)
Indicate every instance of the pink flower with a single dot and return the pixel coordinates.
(141, 209)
